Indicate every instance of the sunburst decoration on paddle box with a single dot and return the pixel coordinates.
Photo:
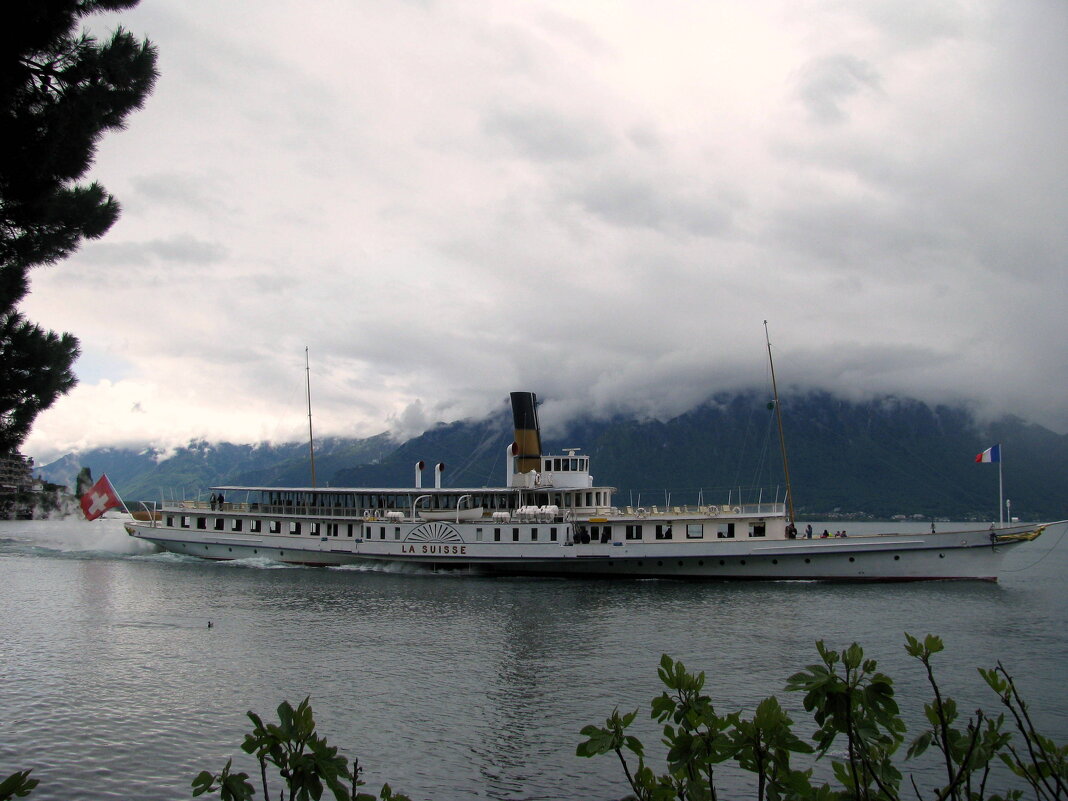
(434, 532)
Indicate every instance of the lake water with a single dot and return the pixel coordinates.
(112, 685)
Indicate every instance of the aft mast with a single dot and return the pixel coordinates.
(782, 438)
(311, 439)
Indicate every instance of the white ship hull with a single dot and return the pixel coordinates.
(885, 557)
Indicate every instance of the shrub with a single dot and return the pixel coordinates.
(305, 762)
(849, 700)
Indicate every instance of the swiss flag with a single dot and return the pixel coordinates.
(99, 499)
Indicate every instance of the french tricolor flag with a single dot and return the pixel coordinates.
(990, 455)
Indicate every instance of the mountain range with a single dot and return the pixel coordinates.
(874, 459)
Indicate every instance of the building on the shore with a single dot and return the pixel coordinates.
(18, 486)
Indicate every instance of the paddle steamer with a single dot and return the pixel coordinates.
(550, 518)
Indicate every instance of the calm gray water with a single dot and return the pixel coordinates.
(448, 687)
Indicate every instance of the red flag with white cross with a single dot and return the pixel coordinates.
(100, 498)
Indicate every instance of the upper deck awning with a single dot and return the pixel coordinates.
(404, 490)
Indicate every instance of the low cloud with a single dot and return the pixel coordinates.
(445, 205)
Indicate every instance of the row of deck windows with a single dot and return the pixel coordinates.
(597, 533)
(561, 464)
(305, 502)
(499, 534)
(694, 531)
(515, 534)
(368, 532)
(255, 526)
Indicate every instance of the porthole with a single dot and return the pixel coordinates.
(721, 563)
(775, 561)
(743, 562)
(851, 559)
(896, 557)
(808, 561)
(659, 563)
(680, 563)
(941, 556)
(231, 550)
(700, 562)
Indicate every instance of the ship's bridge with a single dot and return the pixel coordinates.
(564, 471)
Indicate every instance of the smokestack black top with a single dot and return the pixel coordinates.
(525, 411)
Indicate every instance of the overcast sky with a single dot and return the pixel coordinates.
(600, 202)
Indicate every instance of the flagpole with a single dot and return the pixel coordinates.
(1001, 493)
(782, 439)
(119, 497)
(311, 438)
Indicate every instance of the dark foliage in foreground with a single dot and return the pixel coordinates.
(304, 761)
(854, 709)
(60, 91)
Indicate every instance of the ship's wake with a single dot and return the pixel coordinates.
(71, 536)
(256, 563)
(377, 566)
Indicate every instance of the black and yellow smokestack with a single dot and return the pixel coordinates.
(527, 431)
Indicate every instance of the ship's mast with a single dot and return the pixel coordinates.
(311, 439)
(782, 438)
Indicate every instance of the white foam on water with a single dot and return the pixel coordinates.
(168, 556)
(76, 535)
(383, 567)
(255, 562)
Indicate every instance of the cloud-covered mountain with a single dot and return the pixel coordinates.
(877, 458)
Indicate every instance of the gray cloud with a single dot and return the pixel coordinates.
(626, 201)
(546, 135)
(173, 189)
(180, 249)
(826, 83)
(601, 207)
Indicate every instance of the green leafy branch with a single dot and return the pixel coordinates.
(306, 763)
(848, 699)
